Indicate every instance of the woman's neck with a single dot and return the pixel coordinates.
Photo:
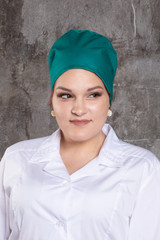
(77, 154)
(95, 142)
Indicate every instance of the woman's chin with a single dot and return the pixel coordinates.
(77, 138)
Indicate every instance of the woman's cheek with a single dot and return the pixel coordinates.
(63, 110)
(98, 107)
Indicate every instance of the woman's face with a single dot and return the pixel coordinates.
(80, 103)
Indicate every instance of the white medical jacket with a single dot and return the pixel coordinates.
(115, 196)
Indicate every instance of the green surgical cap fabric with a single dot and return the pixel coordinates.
(84, 49)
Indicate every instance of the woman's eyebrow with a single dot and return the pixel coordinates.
(89, 89)
(63, 88)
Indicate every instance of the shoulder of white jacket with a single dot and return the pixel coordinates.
(124, 149)
(135, 151)
(120, 152)
(26, 145)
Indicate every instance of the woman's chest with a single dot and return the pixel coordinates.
(99, 201)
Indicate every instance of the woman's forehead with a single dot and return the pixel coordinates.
(75, 78)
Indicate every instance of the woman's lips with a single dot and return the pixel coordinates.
(80, 122)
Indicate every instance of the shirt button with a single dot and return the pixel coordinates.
(64, 182)
(60, 224)
(69, 183)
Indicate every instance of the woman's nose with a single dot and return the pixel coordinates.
(79, 107)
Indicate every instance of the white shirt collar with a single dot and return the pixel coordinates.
(48, 154)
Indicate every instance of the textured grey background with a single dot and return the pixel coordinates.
(28, 28)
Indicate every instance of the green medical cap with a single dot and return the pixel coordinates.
(87, 50)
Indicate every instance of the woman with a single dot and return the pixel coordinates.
(81, 182)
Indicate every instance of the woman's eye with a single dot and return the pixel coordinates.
(96, 94)
(64, 95)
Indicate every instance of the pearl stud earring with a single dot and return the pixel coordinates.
(52, 113)
(109, 113)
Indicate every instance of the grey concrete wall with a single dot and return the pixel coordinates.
(28, 28)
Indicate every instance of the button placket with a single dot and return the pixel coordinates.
(60, 224)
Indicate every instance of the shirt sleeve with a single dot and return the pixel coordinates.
(4, 219)
(145, 220)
